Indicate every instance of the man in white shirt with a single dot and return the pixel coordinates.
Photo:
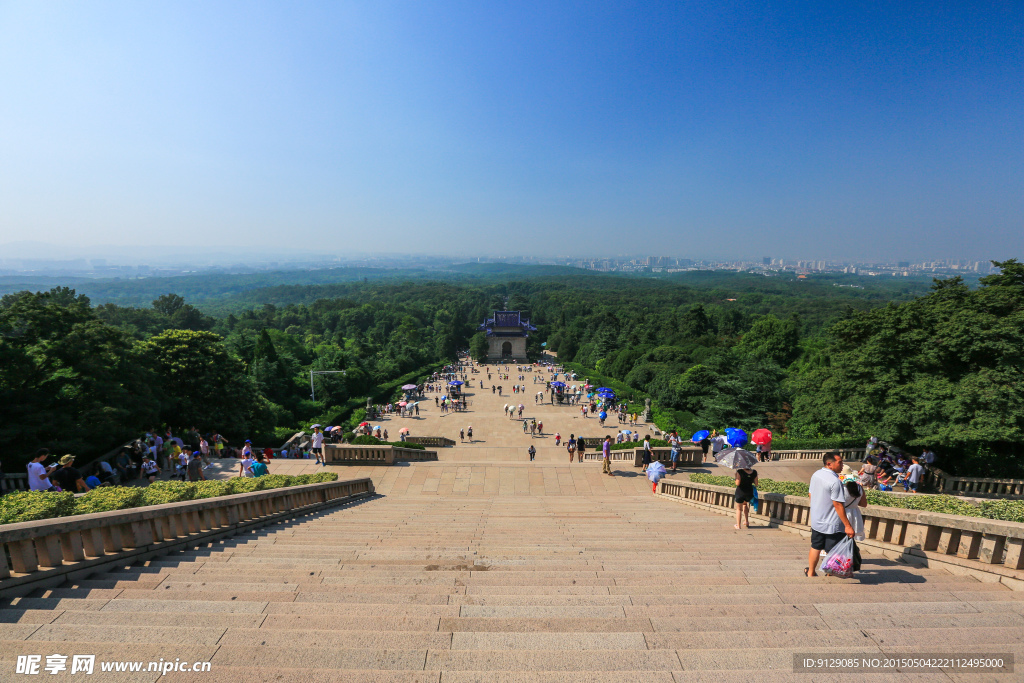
(928, 457)
(914, 475)
(245, 466)
(718, 442)
(39, 474)
(828, 511)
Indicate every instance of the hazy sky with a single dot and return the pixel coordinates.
(842, 130)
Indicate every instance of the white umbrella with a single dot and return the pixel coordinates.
(655, 471)
(736, 459)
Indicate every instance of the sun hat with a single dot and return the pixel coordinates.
(67, 459)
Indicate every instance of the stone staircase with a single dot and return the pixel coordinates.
(433, 588)
(487, 567)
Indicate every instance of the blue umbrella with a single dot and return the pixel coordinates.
(736, 437)
(700, 436)
(558, 385)
(604, 389)
(602, 415)
(655, 471)
(455, 383)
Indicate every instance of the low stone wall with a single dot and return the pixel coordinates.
(50, 551)
(374, 455)
(978, 487)
(14, 482)
(847, 453)
(990, 549)
(689, 457)
(431, 441)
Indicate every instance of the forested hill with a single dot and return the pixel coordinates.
(937, 364)
(223, 293)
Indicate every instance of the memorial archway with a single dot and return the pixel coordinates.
(506, 349)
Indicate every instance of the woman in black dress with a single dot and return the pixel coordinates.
(746, 480)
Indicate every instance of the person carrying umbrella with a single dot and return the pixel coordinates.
(746, 480)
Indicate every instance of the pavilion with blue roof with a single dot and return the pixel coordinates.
(506, 334)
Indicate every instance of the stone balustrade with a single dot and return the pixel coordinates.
(374, 455)
(50, 551)
(431, 441)
(14, 482)
(990, 549)
(978, 487)
(847, 453)
(689, 457)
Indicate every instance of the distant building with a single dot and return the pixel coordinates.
(506, 336)
(766, 261)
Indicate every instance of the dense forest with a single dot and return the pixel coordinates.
(828, 357)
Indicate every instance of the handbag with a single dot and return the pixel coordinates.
(755, 502)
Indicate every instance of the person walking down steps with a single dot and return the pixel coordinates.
(606, 456)
(532, 452)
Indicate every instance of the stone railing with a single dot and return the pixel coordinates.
(431, 440)
(983, 547)
(50, 551)
(616, 456)
(374, 455)
(979, 487)
(14, 482)
(689, 457)
(847, 453)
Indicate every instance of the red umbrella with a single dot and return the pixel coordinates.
(762, 437)
(363, 424)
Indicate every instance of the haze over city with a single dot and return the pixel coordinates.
(848, 133)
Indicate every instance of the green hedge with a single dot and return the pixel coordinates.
(107, 498)
(162, 492)
(366, 440)
(655, 443)
(1003, 510)
(28, 506)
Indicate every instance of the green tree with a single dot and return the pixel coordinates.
(203, 385)
(478, 347)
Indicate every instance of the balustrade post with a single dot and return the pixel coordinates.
(48, 553)
(71, 547)
(92, 540)
(992, 549)
(970, 544)
(1014, 553)
(949, 541)
(23, 557)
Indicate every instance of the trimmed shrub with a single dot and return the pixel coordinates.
(209, 489)
(162, 492)
(366, 440)
(29, 506)
(107, 498)
(243, 485)
(655, 443)
(276, 481)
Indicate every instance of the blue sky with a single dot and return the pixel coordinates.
(830, 130)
